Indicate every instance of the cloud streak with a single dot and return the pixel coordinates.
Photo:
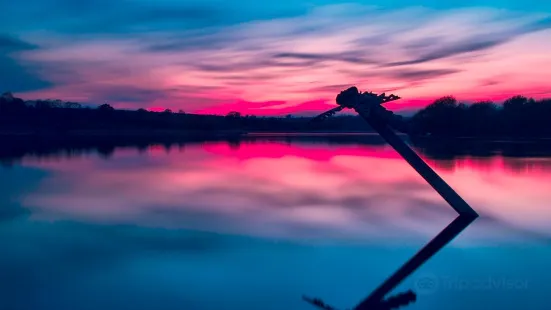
(238, 60)
(17, 75)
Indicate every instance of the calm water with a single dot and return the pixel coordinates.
(255, 224)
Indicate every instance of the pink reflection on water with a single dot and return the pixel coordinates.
(275, 189)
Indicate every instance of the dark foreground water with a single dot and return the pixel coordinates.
(255, 224)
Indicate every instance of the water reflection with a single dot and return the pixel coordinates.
(513, 156)
(285, 187)
(222, 217)
(516, 156)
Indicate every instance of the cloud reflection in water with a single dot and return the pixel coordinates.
(291, 191)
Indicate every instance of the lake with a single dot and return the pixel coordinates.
(258, 222)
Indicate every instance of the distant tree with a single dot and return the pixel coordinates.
(447, 102)
(167, 111)
(462, 106)
(57, 103)
(439, 117)
(233, 114)
(141, 110)
(515, 103)
(7, 97)
(72, 105)
(105, 107)
(481, 118)
(486, 106)
(18, 102)
(288, 116)
(10, 103)
(42, 104)
(181, 111)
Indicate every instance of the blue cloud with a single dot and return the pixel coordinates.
(120, 16)
(10, 44)
(17, 75)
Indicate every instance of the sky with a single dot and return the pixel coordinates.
(269, 58)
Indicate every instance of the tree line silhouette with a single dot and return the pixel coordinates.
(446, 117)
(518, 116)
(56, 116)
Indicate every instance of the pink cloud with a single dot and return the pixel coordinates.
(268, 108)
(281, 66)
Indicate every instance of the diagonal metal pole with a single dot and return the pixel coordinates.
(368, 106)
(466, 214)
(455, 201)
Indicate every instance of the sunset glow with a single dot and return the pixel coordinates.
(277, 59)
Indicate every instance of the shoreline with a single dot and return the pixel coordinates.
(199, 134)
(496, 139)
(155, 133)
